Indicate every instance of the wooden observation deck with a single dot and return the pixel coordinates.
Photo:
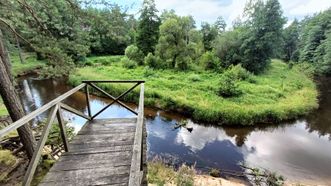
(104, 152)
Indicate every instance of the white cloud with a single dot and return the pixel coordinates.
(209, 10)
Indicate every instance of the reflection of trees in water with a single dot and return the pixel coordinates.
(320, 120)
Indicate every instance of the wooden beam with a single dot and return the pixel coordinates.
(136, 172)
(62, 130)
(36, 155)
(116, 100)
(35, 113)
(74, 111)
(87, 94)
(113, 81)
(112, 97)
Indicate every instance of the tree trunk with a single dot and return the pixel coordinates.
(13, 103)
(4, 55)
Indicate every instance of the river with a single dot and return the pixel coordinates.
(300, 150)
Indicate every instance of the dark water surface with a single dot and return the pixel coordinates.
(300, 150)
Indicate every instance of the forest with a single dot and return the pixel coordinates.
(260, 70)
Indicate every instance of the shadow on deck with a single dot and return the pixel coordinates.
(104, 152)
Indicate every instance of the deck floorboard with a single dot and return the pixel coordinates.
(100, 154)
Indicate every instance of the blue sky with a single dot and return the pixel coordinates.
(209, 10)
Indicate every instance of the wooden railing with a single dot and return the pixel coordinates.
(56, 106)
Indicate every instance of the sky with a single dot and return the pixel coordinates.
(209, 10)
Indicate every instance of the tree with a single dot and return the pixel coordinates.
(13, 103)
(227, 47)
(220, 24)
(172, 48)
(291, 40)
(148, 28)
(111, 30)
(209, 33)
(262, 40)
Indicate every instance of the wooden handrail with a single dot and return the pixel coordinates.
(136, 170)
(39, 111)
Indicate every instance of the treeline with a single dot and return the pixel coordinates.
(66, 31)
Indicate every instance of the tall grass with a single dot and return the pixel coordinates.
(30, 63)
(281, 93)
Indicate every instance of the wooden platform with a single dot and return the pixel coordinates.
(100, 154)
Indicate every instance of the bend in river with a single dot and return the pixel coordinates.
(300, 150)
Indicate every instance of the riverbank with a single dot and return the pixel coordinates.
(161, 174)
(280, 93)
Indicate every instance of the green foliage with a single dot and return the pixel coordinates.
(209, 33)
(215, 172)
(315, 41)
(31, 63)
(148, 29)
(194, 77)
(227, 47)
(291, 41)
(133, 53)
(110, 30)
(280, 93)
(3, 109)
(161, 174)
(172, 48)
(127, 63)
(262, 40)
(209, 61)
(151, 61)
(7, 158)
(228, 86)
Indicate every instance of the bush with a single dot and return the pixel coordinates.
(151, 60)
(215, 172)
(228, 86)
(194, 77)
(239, 73)
(209, 61)
(183, 62)
(133, 53)
(127, 63)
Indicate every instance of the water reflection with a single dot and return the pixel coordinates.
(301, 149)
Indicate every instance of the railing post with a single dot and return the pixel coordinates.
(87, 94)
(62, 129)
(36, 155)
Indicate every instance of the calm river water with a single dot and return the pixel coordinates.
(300, 150)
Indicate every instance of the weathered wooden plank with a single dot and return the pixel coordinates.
(113, 81)
(136, 174)
(114, 120)
(96, 136)
(74, 111)
(95, 176)
(62, 130)
(87, 96)
(36, 155)
(98, 150)
(100, 144)
(92, 164)
(115, 130)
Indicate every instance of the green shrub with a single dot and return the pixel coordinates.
(148, 72)
(194, 78)
(183, 62)
(151, 61)
(228, 86)
(239, 72)
(127, 63)
(215, 172)
(133, 53)
(209, 61)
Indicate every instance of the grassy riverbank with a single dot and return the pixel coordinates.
(30, 64)
(281, 93)
(3, 110)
